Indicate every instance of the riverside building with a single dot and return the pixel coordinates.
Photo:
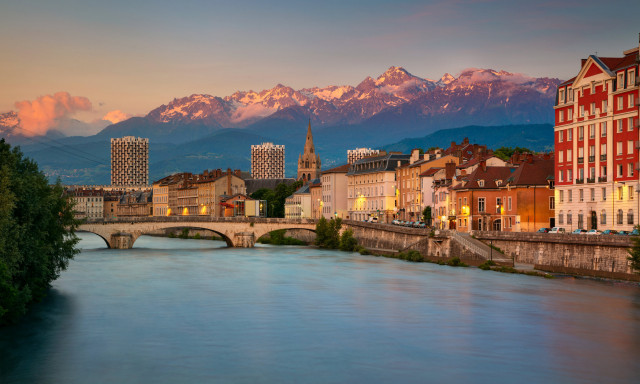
(129, 161)
(596, 145)
(267, 161)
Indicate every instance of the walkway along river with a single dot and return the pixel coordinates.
(172, 310)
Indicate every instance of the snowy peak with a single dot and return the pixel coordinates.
(445, 79)
(395, 76)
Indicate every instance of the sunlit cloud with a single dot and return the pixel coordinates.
(46, 112)
(116, 116)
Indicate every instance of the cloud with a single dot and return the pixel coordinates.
(116, 116)
(46, 112)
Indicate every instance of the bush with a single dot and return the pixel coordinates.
(348, 243)
(487, 265)
(328, 233)
(184, 234)
(456, 262)
(172, 235)
(197, 236)
(278, 238)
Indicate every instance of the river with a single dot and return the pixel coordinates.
(190, 311)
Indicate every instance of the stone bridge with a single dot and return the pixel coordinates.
(121, 233)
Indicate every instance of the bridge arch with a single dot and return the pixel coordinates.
(199, 227)
(258, 233)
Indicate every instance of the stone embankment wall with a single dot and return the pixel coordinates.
(586, 255)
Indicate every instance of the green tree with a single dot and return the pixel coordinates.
(426, 215)
(348, 243)
(634, 253)
(505, 153)
(322, 227)
(276, 197)
(37, 233)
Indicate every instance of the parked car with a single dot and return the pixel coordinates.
(373, 219)
(635, 232)
(409, 224)
(609, 232)
(594, 232)
(557, 230)
(579, 231)
(395, 221)
(419, 224)
(623, 233)
(544, 230)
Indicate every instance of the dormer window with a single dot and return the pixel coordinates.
(631, 78)
(570, 94)
(481, 183)
(498, 183)
(561, 98)
(620, 80)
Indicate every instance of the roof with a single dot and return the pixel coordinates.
(536, 172)
(430, 172)
(253, 185)
(489, 175)
(382, 163)
(339, 169)
(303, 189)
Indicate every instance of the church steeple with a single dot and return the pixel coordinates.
(308, 161)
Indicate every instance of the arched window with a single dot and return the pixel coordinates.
(620, 217)
(630, 217)
(603, 217)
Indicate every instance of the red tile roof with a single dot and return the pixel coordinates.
(339, 169)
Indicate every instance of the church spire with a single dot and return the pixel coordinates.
(309, 162)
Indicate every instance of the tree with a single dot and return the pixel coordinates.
(276, 197)
(634, 253)
(426, 215)
(328, 233)
(505, 153)
(37, 233)
(348, 243)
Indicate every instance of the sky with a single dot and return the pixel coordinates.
(122, 58)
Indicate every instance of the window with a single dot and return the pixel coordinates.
(481, 183)
(630, 124)
(570, 195)
(561, 97)
(552, 202)
(570, 114)
(630, 216)
(603, 129)
(498, 204)
(631, 100)
(620, 216)
(569, 174)
(570, 94)
(561, 136)
(569, 155)
(509, 203)
(581, 195)
(561, 116)
(620, 194)
(561, 196)
(629, 147)
(561, 218)
(603, 217)
(619, 144)
(593, 109)
(561, 157)
(630, 192)
(619, 125)
(560, 175)
(604, 193)
(603, 149)
(620, 102)
(481, 204)
(582, 111)
(580, 220)
(570, 134)
(630, 170)
(592, 131)
(631, 78)
(604, 106)
(580, 133)
(569, 218)
(592, 194)
(581, 173)
(619, 170)
(620, 83)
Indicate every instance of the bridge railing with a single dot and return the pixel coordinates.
(199, 219)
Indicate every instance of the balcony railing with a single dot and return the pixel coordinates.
(603, 157)
(592, 159)
(602, 179)
(579, 181)
(580, 160)
(591, 180)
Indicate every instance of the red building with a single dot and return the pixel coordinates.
(596, 145)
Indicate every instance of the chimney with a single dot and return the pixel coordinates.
(465, 140)
(415, 155)
(483, 165)
(449, 170)
(237, 172)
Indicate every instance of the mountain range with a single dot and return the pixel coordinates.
(203, 131)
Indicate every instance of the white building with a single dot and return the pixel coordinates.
(334, 192)
(298, 205)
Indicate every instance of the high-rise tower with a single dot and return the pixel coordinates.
(267, 161)
(130, 161)
(309, 161)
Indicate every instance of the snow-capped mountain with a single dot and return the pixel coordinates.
(395, 88)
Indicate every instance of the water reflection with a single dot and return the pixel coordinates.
(173, 310)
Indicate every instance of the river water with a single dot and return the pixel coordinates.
(190, 311)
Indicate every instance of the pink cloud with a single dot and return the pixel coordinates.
(45, 112)
(116, 116)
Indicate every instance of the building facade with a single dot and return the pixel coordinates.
(354, 155)
(309, 161)
(596, 145)
(371, 187)
(334, 192)
(267, 161)
(298, 205)
(129, 161)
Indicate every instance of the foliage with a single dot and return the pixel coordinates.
(197, 236)
(456, 262)
(277, 237)
(505, 153)
(634, 253)
(276, 197)
(328, 233)
(184, 234)
(37, 233)
(426, 215)
(487, 265)
(348, 243)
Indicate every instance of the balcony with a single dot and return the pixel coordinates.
(592, 159)
(603, 157)
(579, 181)
(602, 179)
(591, 180)
(580, 160)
